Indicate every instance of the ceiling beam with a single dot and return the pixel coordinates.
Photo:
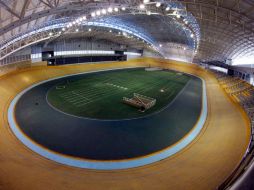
(237, 5)
(82, 6)
(8, 9)
(47, 3)
(23, 10)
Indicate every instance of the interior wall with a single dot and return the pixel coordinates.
(152, 54)
(88, 44)
(177, 52)
(81, 44)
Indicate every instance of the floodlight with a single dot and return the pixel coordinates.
(142, 6)
(158, 4)
(98, 13)
(104, 11)
(110, 10)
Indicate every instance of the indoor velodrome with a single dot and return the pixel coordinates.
(126, 95)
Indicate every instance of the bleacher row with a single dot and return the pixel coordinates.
(242, 92)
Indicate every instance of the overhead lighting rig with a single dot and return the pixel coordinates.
(147, 7)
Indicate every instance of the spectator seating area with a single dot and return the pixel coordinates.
(242, 92)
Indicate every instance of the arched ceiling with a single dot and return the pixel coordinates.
(226, 26)
(160, 29)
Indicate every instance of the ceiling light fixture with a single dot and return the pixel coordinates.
(142, 6)
(98, 13)
(103, 11)
(158, 4)
(110, 10)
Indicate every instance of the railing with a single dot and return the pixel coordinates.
(15, 59)
(239, 171)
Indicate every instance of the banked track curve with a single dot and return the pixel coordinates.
(204, 164)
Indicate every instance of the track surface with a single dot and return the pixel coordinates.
(104, 139)
(204, 164)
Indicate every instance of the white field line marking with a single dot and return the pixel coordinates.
(121, 87)
(91, 92)
(80, 105)
(96, 99)
(70, 95)
(78, 102)
(74, 98)
(80, 95)
(87, 100)
(79, 98)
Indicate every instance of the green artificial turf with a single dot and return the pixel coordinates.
(100, 95)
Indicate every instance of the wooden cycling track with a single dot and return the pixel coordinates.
(204, 164)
